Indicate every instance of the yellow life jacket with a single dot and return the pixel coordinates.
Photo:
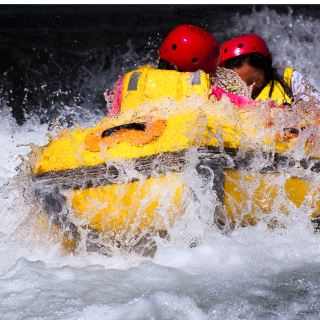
(278, 93)
(147, 83)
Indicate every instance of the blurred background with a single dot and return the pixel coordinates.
(53, 56)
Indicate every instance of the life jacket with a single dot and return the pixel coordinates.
(278, 93)
(148, 84)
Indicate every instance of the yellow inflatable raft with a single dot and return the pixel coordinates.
(124, 177)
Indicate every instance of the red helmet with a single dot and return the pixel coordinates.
(248, 43)
(190, 48)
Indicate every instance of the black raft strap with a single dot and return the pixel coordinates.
(129, 126)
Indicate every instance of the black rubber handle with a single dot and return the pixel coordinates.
(128, 126)
(291, 130)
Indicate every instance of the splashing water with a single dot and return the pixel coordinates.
(252, 273)
(291, 38)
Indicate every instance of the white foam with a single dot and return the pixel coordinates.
(253, 273)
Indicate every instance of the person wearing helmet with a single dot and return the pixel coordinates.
(249, 56)
(187, 48)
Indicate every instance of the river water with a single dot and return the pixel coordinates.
(253, 273)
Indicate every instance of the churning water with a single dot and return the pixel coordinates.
(253, 273)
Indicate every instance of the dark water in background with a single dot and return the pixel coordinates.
(52, 56)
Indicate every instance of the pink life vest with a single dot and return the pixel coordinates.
(114, 98)
(239, 101)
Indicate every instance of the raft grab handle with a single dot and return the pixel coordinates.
(128, 126)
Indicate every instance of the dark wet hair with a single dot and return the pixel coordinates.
(165, 65)
(258, 60)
